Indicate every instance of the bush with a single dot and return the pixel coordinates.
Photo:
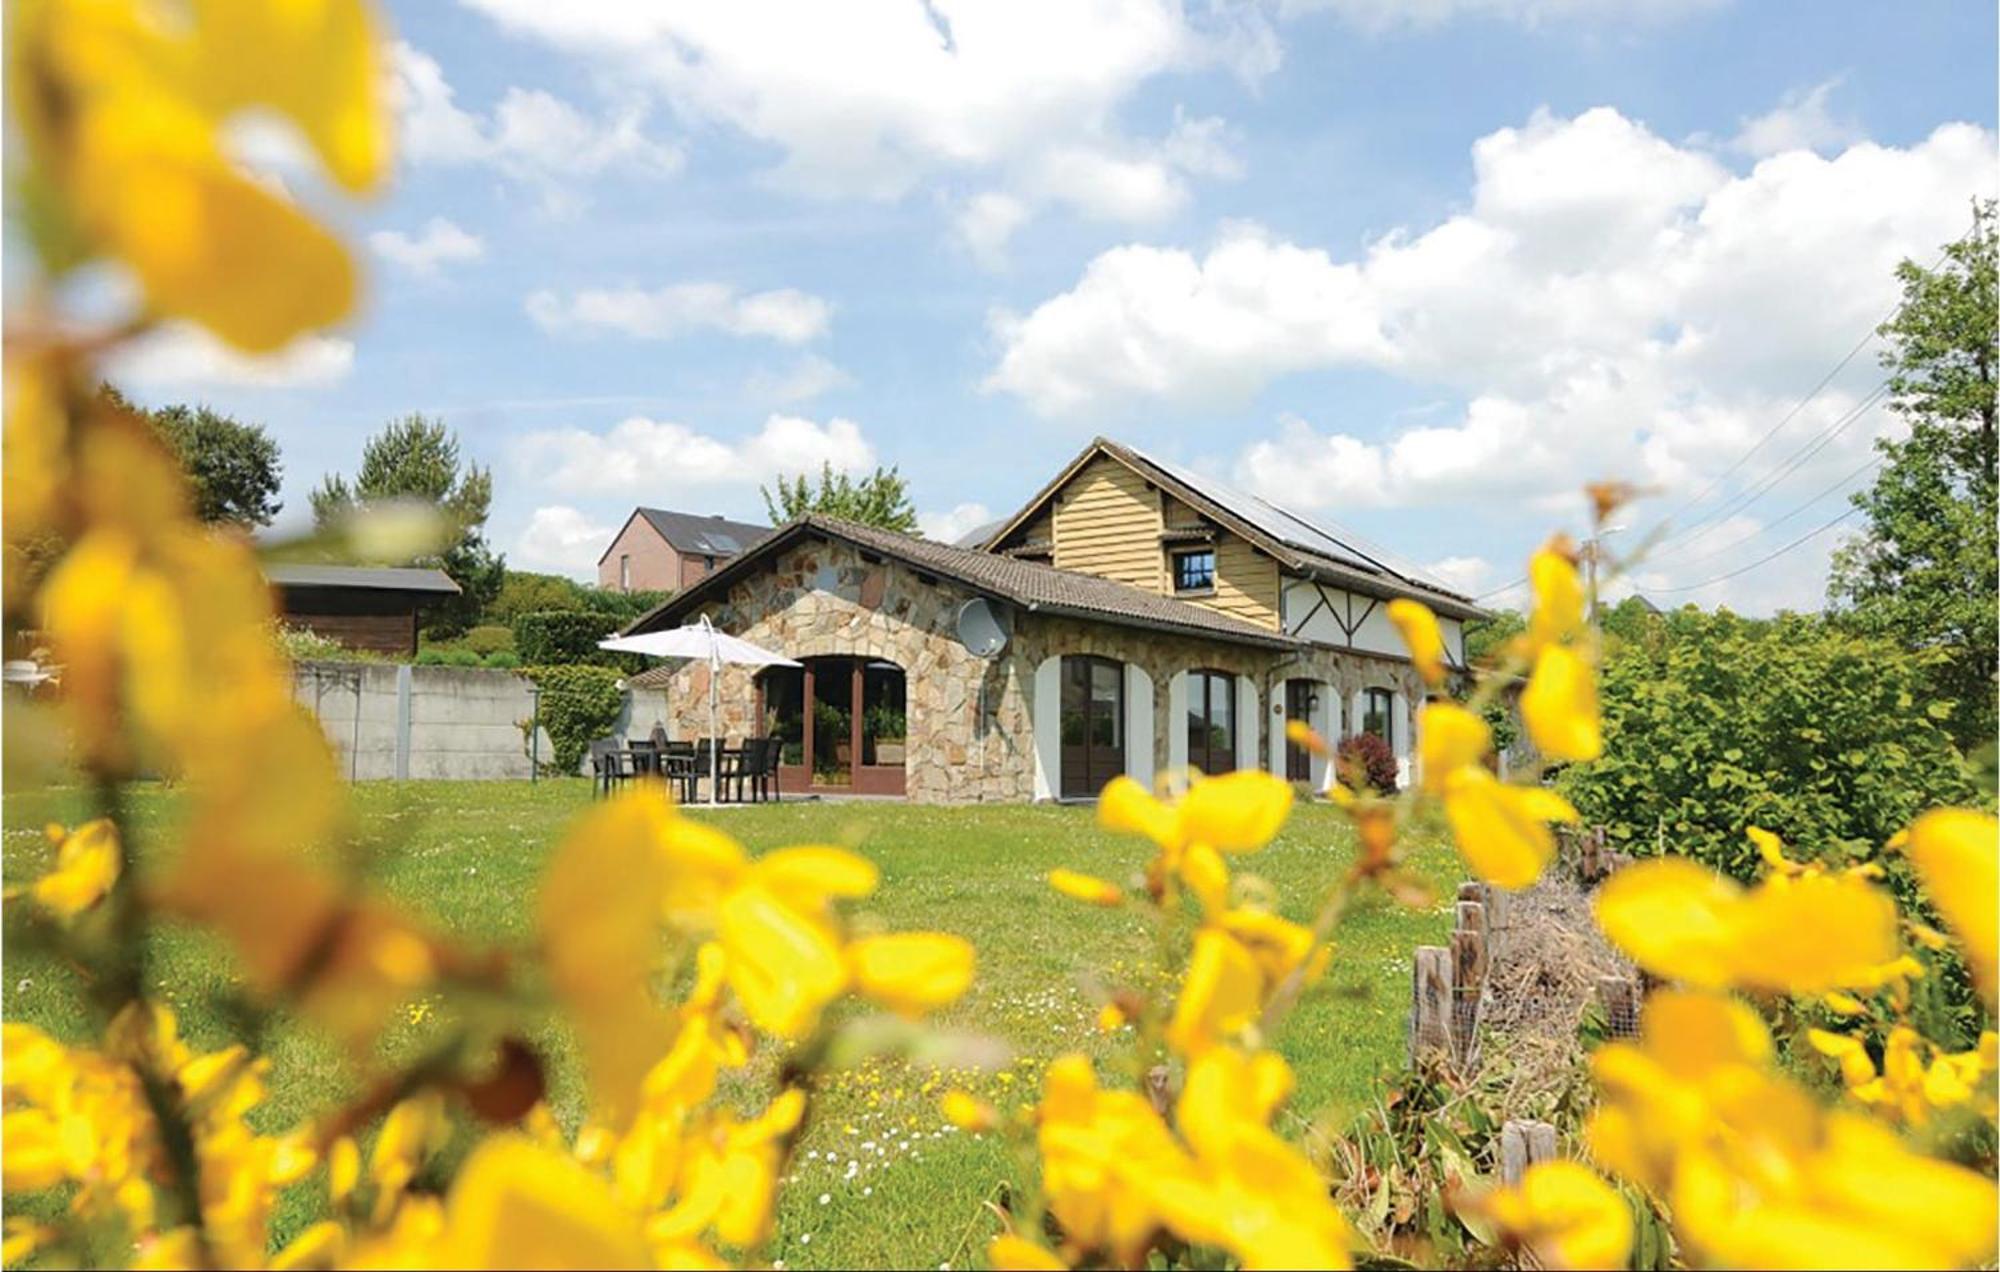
(578, 705)
(432, 657)
(1366, 760)
(504, 659)
(622, 606)
(1713, 723)
(462, 658)
(560, 637)
(489, 638)
(302, 644)
(525, 592)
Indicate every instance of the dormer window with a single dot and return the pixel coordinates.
(1194, 571)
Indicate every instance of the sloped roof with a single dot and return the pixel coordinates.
(1309, 546)
(703, 535)
(1034, 587)
(380, 578)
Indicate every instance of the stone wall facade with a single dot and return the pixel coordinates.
(970, 720)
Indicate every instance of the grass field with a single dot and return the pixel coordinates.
(878, 1180)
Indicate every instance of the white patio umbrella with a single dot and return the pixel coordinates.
(700, 642)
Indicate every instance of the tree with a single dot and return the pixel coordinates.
(418, 458)
(882, 498)
(1926, 569)
(233, 468)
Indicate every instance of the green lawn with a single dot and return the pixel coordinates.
(879, 1180)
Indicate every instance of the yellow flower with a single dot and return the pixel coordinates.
(124, 116)
(87, 864)
(1221, 996)
(1501, 829)
(1249, 1191)
(517, 1204)
(1419, 629)
(1449, 738)
(1559, 706)
(1110, 1019)
(911, 972)
(1085, 887)
(1569, 1216)
(967, 1113)
(1802, 934)
(1954, 850)
(1106, 1160)
(1237, 812)
(1557, 618)
(1756, 1174)
(1009, 1253)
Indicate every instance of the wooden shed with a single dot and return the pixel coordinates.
(362, 607)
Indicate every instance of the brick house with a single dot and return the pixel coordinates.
(657, 550)
(1131, 618)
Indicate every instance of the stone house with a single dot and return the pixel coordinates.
(657, 550)
(1131, 618)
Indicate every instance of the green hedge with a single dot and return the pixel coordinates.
(579, 704)
(556, 637)
(1714, 722)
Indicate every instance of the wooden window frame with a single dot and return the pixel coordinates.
(1174, 560)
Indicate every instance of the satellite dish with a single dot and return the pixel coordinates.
(981, 627)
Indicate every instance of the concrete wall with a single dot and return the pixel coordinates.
(446, 723)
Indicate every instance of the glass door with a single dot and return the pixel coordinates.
(1092, 724)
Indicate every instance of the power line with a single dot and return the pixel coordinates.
(1791, 464)
(1765, 529)
(1824, 380)
(1760, 561)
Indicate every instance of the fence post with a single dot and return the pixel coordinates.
(1430, 1002)
(1524, 1143)
(1499, 905)
(1468, 981)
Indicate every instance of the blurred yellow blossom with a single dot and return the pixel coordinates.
(1083, 887)
(87, 864)
(1566, 1215)
(1957, 855)
(1801, 934)
(1419, 630)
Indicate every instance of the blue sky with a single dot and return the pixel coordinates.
(1419, 269)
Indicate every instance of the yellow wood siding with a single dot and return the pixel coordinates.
(1246, 583)
(1179, 514)
(1107, 523)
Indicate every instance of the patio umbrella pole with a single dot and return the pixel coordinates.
(714, 737)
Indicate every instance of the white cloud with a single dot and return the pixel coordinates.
(786, 315)
(1608, 304)
(953, 524)
(1465, 575)
(531, 136)
(659, 459)
(985, 224)
(561, 539)
(1380, 15)
(182, 355)
(441, 242)
(1802, 121)
(804, 380)
(874, 100)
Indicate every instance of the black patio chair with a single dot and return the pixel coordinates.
(764, 776)
(610, 764)
(732, 771)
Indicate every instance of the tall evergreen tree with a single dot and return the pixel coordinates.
(1926, 570)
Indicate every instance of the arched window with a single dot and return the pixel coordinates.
(1211, 721)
